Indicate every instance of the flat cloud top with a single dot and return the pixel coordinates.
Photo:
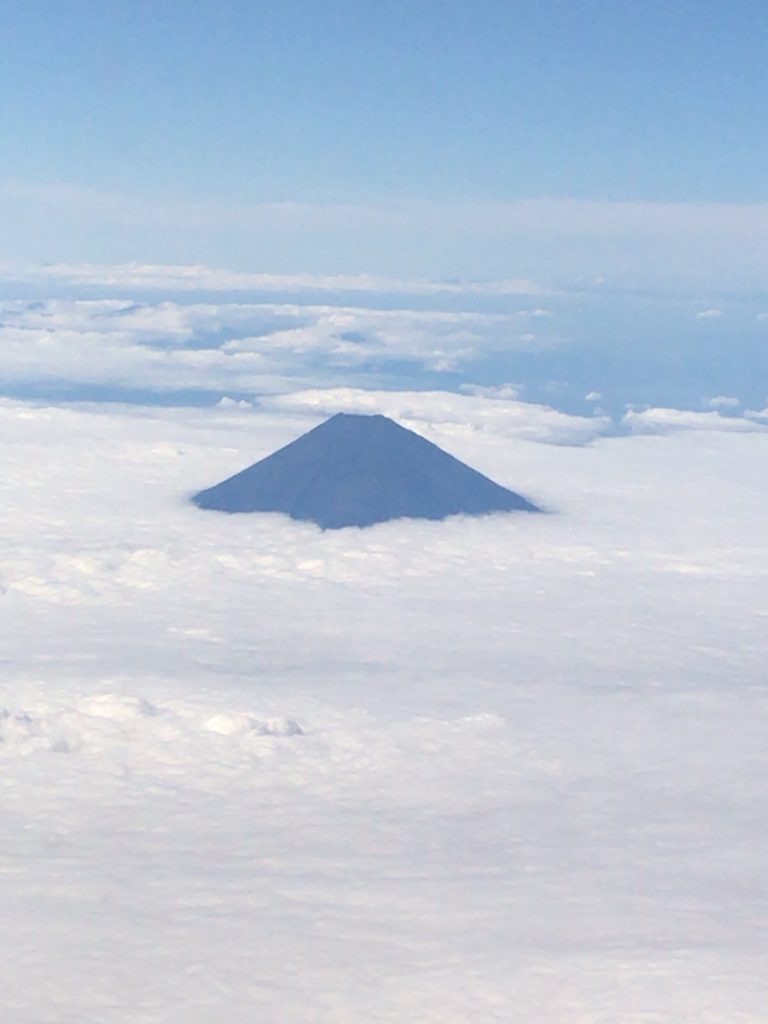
(528, 747)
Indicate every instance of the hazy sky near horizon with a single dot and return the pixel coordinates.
(599, 162)
(488, 139)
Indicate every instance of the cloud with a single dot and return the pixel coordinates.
(503, 721)
(151, 277)
(723, 402)
(709, 314)
(236, 346)
(445, 415)
(503, 391)
(662, 421)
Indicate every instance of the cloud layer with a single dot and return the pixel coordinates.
(104, 332)
(241, 346)
(529, 748)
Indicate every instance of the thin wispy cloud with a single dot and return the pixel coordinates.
(200, 278)
(533, 245)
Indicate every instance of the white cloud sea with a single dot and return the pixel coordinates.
(508, 768)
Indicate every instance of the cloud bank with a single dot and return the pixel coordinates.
(525, 751)
(241, 346)
(451, 414)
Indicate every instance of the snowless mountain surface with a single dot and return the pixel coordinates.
(358, 470)
(508, 771)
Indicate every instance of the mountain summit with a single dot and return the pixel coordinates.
(357, 470)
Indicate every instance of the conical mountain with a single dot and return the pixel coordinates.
(357, 470)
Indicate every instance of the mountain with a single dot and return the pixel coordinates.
(356, 470)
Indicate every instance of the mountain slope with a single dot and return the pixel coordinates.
(356, 470)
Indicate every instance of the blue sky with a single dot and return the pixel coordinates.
(343, 101)
(607, 156)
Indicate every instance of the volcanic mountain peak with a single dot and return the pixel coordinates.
(358, 470)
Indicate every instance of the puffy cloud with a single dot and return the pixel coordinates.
(660, 421)
(439, 340)
(445, 414)
(709, 314)
(236, 345)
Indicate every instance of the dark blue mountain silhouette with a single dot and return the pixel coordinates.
(358, 470)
